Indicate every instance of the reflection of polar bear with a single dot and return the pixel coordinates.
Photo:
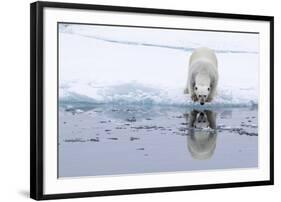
(201, 139)
(202, 75)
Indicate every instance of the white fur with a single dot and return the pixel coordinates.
(202, 75)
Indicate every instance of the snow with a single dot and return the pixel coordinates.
(105, 64)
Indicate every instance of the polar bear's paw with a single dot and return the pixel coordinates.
(209, 99)
(194, 98)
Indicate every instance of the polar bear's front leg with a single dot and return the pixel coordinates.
(213, 91)
(191, 90)
(187, 87)
(186, 91)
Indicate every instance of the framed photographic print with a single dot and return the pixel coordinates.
(136, 100)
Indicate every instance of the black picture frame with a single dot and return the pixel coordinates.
(36, 98)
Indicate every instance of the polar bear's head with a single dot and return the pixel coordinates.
(201, 120)
(205, 119)
(202, 93)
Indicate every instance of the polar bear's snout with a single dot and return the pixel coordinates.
(202, 93)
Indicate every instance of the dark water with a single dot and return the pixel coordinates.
(113, 140)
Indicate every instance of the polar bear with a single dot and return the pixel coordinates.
(202, 75)
(202, 135)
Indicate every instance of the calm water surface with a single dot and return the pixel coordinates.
(116, 139)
